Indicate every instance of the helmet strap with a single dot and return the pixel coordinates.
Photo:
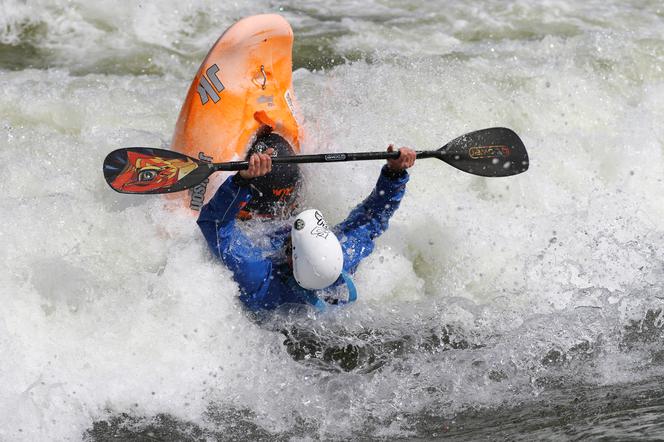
(352, 291)
(318, 303)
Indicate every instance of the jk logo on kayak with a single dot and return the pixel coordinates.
(209, 86)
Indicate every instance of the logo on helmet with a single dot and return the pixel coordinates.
(320, 220)
(321, 230)
(299, 224)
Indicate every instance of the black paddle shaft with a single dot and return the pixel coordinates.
(324, 158)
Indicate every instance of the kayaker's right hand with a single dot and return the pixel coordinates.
(405, 160)
(259, 164)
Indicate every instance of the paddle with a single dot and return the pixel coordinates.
(493, 152)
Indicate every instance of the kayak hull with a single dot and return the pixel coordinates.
(244, 85)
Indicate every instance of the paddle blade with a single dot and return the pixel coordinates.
(493, 152)
(146, 170)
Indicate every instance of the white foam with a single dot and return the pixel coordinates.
(112, 303)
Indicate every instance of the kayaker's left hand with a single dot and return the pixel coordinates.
(406, 158)
(259, 164)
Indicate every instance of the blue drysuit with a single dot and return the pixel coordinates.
(265, 279)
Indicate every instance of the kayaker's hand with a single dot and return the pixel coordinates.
(406, 158)
(259, 164)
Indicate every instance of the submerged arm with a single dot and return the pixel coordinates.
(250, 268)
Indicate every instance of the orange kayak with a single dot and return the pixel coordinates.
(243, 85)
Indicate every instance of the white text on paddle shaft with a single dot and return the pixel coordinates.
(205, 89)
(335, 157)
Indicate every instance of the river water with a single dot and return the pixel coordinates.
(520, 308)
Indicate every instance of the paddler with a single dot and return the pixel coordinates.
(273, 195)
(306, 261)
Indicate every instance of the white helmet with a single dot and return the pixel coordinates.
(317, 256)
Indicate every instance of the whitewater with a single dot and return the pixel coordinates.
(518, 308)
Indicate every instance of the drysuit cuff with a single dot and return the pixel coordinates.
(392, 174)
(241, 182)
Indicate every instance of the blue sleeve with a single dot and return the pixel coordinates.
(370, 219)
(250, 268)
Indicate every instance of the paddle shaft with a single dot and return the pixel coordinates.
(324, 158)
